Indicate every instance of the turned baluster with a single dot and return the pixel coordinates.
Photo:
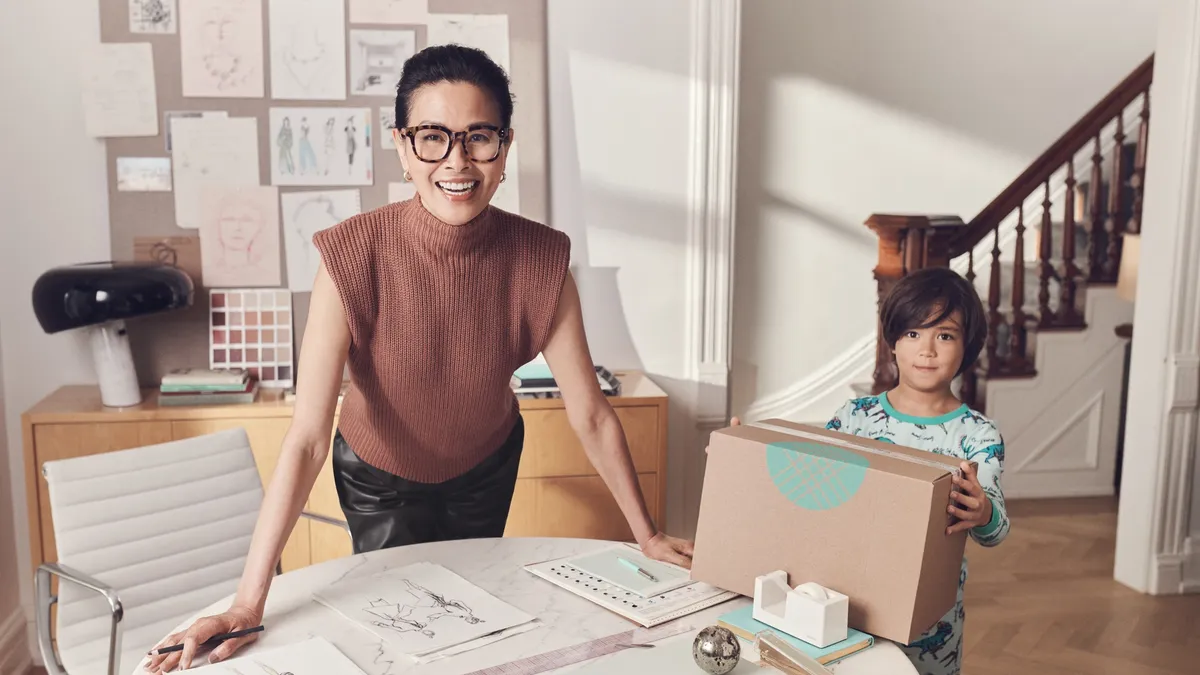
(1138, 180)
(994, 318)
(1045, 254)
(1067, 316)
(1016, 338)
(1095, 273)
(1113, 227)
(970, 380)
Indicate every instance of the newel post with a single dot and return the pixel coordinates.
(906, 244)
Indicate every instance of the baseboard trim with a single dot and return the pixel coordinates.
(1168, 574)
(15, 658)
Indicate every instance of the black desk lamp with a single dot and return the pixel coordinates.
(102, 296)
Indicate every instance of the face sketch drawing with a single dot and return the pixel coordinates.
(239, 225)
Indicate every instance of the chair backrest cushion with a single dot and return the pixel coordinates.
(167, 525)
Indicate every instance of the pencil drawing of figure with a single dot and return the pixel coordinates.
(396, 617)
(308, 158)
(284, 141)
(351, 142)
(419, 608)
(240, 223)
(329, 143)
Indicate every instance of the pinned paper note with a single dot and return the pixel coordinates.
(488, 32)
(221, 48)
(239, 236)
(389, 11)
(376, 59)
(305, 214)
(119, 97)
(387, 122)
(143, 174)
(172, 114)
(321, 146)
(205, 150)
(152, 16)
(308, 49)
(182, 252)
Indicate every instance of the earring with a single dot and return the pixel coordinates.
(503, 177)
(408, 176)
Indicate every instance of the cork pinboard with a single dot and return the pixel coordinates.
(180, 339)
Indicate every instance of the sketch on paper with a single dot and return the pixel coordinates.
(182, 252)
(488, 32)
(315, 656)
(239, 236)
(422, 608)
(305, 214)
(119, 96)
(399, 192)
(221, 48)
(308, 49)
(208, 149)
(321, 146)
(376, 59)
(152, 16)
(387, 122)
(389, 11)
(172, 114)
(143, 174)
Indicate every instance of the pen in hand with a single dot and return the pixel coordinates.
(210, 642)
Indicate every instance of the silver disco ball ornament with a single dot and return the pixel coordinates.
(716, 650)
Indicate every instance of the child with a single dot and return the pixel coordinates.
(935, 325)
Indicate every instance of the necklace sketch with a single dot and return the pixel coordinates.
(417, 610)
(222, 65)
(304, 55)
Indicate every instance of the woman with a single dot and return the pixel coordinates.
(435, 302)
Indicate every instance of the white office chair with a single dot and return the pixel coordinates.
(146, 538)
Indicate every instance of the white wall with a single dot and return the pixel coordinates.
(619, 101)
(860, 106)
(55, 211)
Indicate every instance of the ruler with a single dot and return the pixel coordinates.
(585, 651)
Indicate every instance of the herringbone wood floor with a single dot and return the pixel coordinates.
(1044, 601)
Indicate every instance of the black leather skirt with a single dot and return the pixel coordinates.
(385, 510)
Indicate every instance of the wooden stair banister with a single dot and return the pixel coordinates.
(911, 242)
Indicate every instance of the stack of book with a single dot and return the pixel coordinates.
(201, 386)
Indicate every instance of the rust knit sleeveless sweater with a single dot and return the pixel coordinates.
(440, 316)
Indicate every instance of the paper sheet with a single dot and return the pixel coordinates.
(377, 58)
(321, 146)
(316, 655)
(119, 97)
(399, 192)
(207, 149)
(387, 122)
(389, 11)
(308, 49)
(421, 608)
(305, 214)
(143, 174)
(488, 32)
(221, 48)
(172, 114)
(239, 236)
(182, 252)
(152, 16)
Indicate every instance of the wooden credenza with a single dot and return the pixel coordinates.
(559, 493)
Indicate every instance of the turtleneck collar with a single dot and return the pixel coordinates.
(445, 239)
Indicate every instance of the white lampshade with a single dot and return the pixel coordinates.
(1131, 252)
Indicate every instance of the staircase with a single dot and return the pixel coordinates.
(1045, 256)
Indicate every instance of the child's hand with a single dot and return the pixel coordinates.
(974, 508)
(735, 422)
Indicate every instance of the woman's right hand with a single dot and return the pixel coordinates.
(235, 618)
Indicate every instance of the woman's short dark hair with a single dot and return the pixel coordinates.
(927, 297)
(453, 63)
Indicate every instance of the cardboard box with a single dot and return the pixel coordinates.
(865, 518)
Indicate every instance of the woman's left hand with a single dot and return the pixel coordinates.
(974, 508)
(669, 549)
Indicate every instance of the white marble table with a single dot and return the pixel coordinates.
(496, 566)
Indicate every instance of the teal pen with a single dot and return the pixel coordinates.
(633, 566)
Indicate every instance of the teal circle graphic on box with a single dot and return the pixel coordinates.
(815, 476)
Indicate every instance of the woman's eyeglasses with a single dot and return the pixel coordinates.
(432, 142)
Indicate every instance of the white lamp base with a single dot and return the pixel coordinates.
(114, 365)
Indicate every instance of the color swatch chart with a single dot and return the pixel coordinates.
(252, 329)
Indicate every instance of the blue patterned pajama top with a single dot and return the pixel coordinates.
(962, 433)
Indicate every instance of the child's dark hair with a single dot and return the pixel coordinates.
(453, 63)
(925, 298)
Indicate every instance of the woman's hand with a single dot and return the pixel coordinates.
(974, 509)
(236, 618)
(669, 549)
